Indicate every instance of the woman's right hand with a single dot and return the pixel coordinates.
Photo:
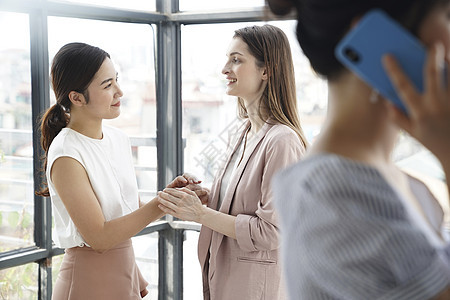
(428, 117)
(181, 203)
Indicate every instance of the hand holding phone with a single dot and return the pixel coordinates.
(376, 35)
(429, 118)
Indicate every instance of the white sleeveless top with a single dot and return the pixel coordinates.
(109, 165)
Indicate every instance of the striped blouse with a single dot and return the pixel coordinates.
(346, 234)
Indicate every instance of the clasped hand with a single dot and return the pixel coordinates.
(184, 198)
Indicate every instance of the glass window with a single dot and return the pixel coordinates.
(189, 5)
(16, 145)
(209, 115)
(146, 252)
(56, 266)
(142, 5)
(132, 51)
(19, 282)
(192, 275)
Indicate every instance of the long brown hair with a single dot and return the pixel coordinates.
(73, 68)
(270, 47)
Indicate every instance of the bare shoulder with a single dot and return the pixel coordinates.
(66, 167)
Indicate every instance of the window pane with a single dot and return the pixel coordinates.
(56, 266)
(146, 252)
(186, 5)
(16, 146)
(19, 282)
(192, 281)
(132, 51)
(142, 5)
(209, 115)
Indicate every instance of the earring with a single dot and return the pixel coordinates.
(373, 96)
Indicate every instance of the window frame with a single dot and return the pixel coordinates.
(168, 20)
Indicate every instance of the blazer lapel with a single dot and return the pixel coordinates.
(251, 146)
(228, 199)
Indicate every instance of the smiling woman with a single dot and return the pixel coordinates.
(238, 242)
(91, 180)
(133, 58)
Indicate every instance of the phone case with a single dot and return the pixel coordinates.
(362, 49)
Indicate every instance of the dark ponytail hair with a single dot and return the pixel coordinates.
(323, 23)
(73, 69)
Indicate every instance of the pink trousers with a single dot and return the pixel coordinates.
(112, 275)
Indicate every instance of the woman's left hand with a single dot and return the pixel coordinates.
(429, 112)
(181, 203)
(184, 180)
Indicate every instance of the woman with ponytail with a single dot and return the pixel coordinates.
(238, 243)
(353, 225)
(91, 180)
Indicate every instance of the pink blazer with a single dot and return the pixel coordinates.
(249, 267)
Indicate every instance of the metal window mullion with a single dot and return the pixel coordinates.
(19, 257)
(40, 101)
(170, 258)
(79, 10)
(93, 12)
(230, 16)
(169, 144)
(168, 94)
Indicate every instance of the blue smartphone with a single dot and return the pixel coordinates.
(377, 34)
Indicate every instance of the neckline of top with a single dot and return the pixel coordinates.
(85, 136)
